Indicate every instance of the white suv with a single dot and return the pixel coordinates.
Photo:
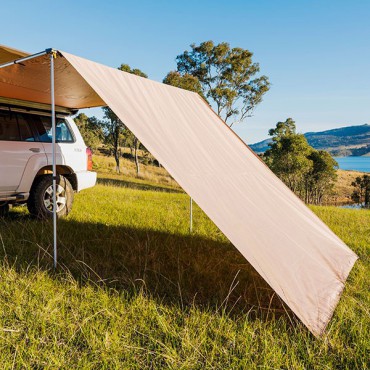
(26, 158)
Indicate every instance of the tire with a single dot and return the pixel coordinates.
(40, 202)
(4, 209)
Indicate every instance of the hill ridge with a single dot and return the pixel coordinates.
(343, 141)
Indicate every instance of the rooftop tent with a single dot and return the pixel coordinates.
(291, 248)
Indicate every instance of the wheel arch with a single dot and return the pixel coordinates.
(65, 171)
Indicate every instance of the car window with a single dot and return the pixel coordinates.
(24, 129)
(63, 133)
(14, 127)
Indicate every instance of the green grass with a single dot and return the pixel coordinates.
(136, 290)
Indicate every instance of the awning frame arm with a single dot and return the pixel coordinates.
(20, 60)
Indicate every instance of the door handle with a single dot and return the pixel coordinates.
(35, 150)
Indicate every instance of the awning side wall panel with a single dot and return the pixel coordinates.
(292, 249)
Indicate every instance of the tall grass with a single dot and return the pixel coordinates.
(136, 290)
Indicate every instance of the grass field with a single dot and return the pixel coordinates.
(136, 290)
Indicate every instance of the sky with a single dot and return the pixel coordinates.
(315, 53)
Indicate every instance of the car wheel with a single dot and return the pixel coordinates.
(40, 202)
(4, 209)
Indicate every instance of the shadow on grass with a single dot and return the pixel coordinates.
(136, 185)
(176, 269)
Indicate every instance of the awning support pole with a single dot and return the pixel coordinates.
(52, 54)
(53, 132)
(191, 215)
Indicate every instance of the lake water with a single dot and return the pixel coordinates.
(361, 164)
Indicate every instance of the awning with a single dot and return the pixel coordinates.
(291, 248)
(30, 80)
(8, 54)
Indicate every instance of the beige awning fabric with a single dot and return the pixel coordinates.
(293, 250)
(30, 81)
(8, 54)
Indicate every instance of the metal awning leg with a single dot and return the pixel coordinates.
(53, 131)
(191, 215)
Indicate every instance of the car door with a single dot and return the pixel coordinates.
(17, 146)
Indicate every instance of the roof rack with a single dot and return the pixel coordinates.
(28, 105)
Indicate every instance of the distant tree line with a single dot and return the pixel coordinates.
(226, 78)
(309, 173)
(361, 192)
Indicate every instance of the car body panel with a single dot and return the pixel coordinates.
(14, 159)
(22, 161)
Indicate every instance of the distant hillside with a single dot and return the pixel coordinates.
(344, 141)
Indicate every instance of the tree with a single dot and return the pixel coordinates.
(115, 129)
(282, 129)
(186, 82)
(310, 173)
(134, 144)
(361, 193)
(321, 179)
(134, 71)
(227, 77)
(288, 155)
(90, 130)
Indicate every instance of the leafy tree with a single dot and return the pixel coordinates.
(309, 173)
(186, 81)
(282, 129)
(90, 129)
(288, 155)
(116, 130)
(322, 177)
(134, 71)
(361, 193)
(227, 77)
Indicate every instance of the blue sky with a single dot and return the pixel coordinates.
(316, 53)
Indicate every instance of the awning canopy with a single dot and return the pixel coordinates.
(30, 81)
(8, 54)
(291, 248)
